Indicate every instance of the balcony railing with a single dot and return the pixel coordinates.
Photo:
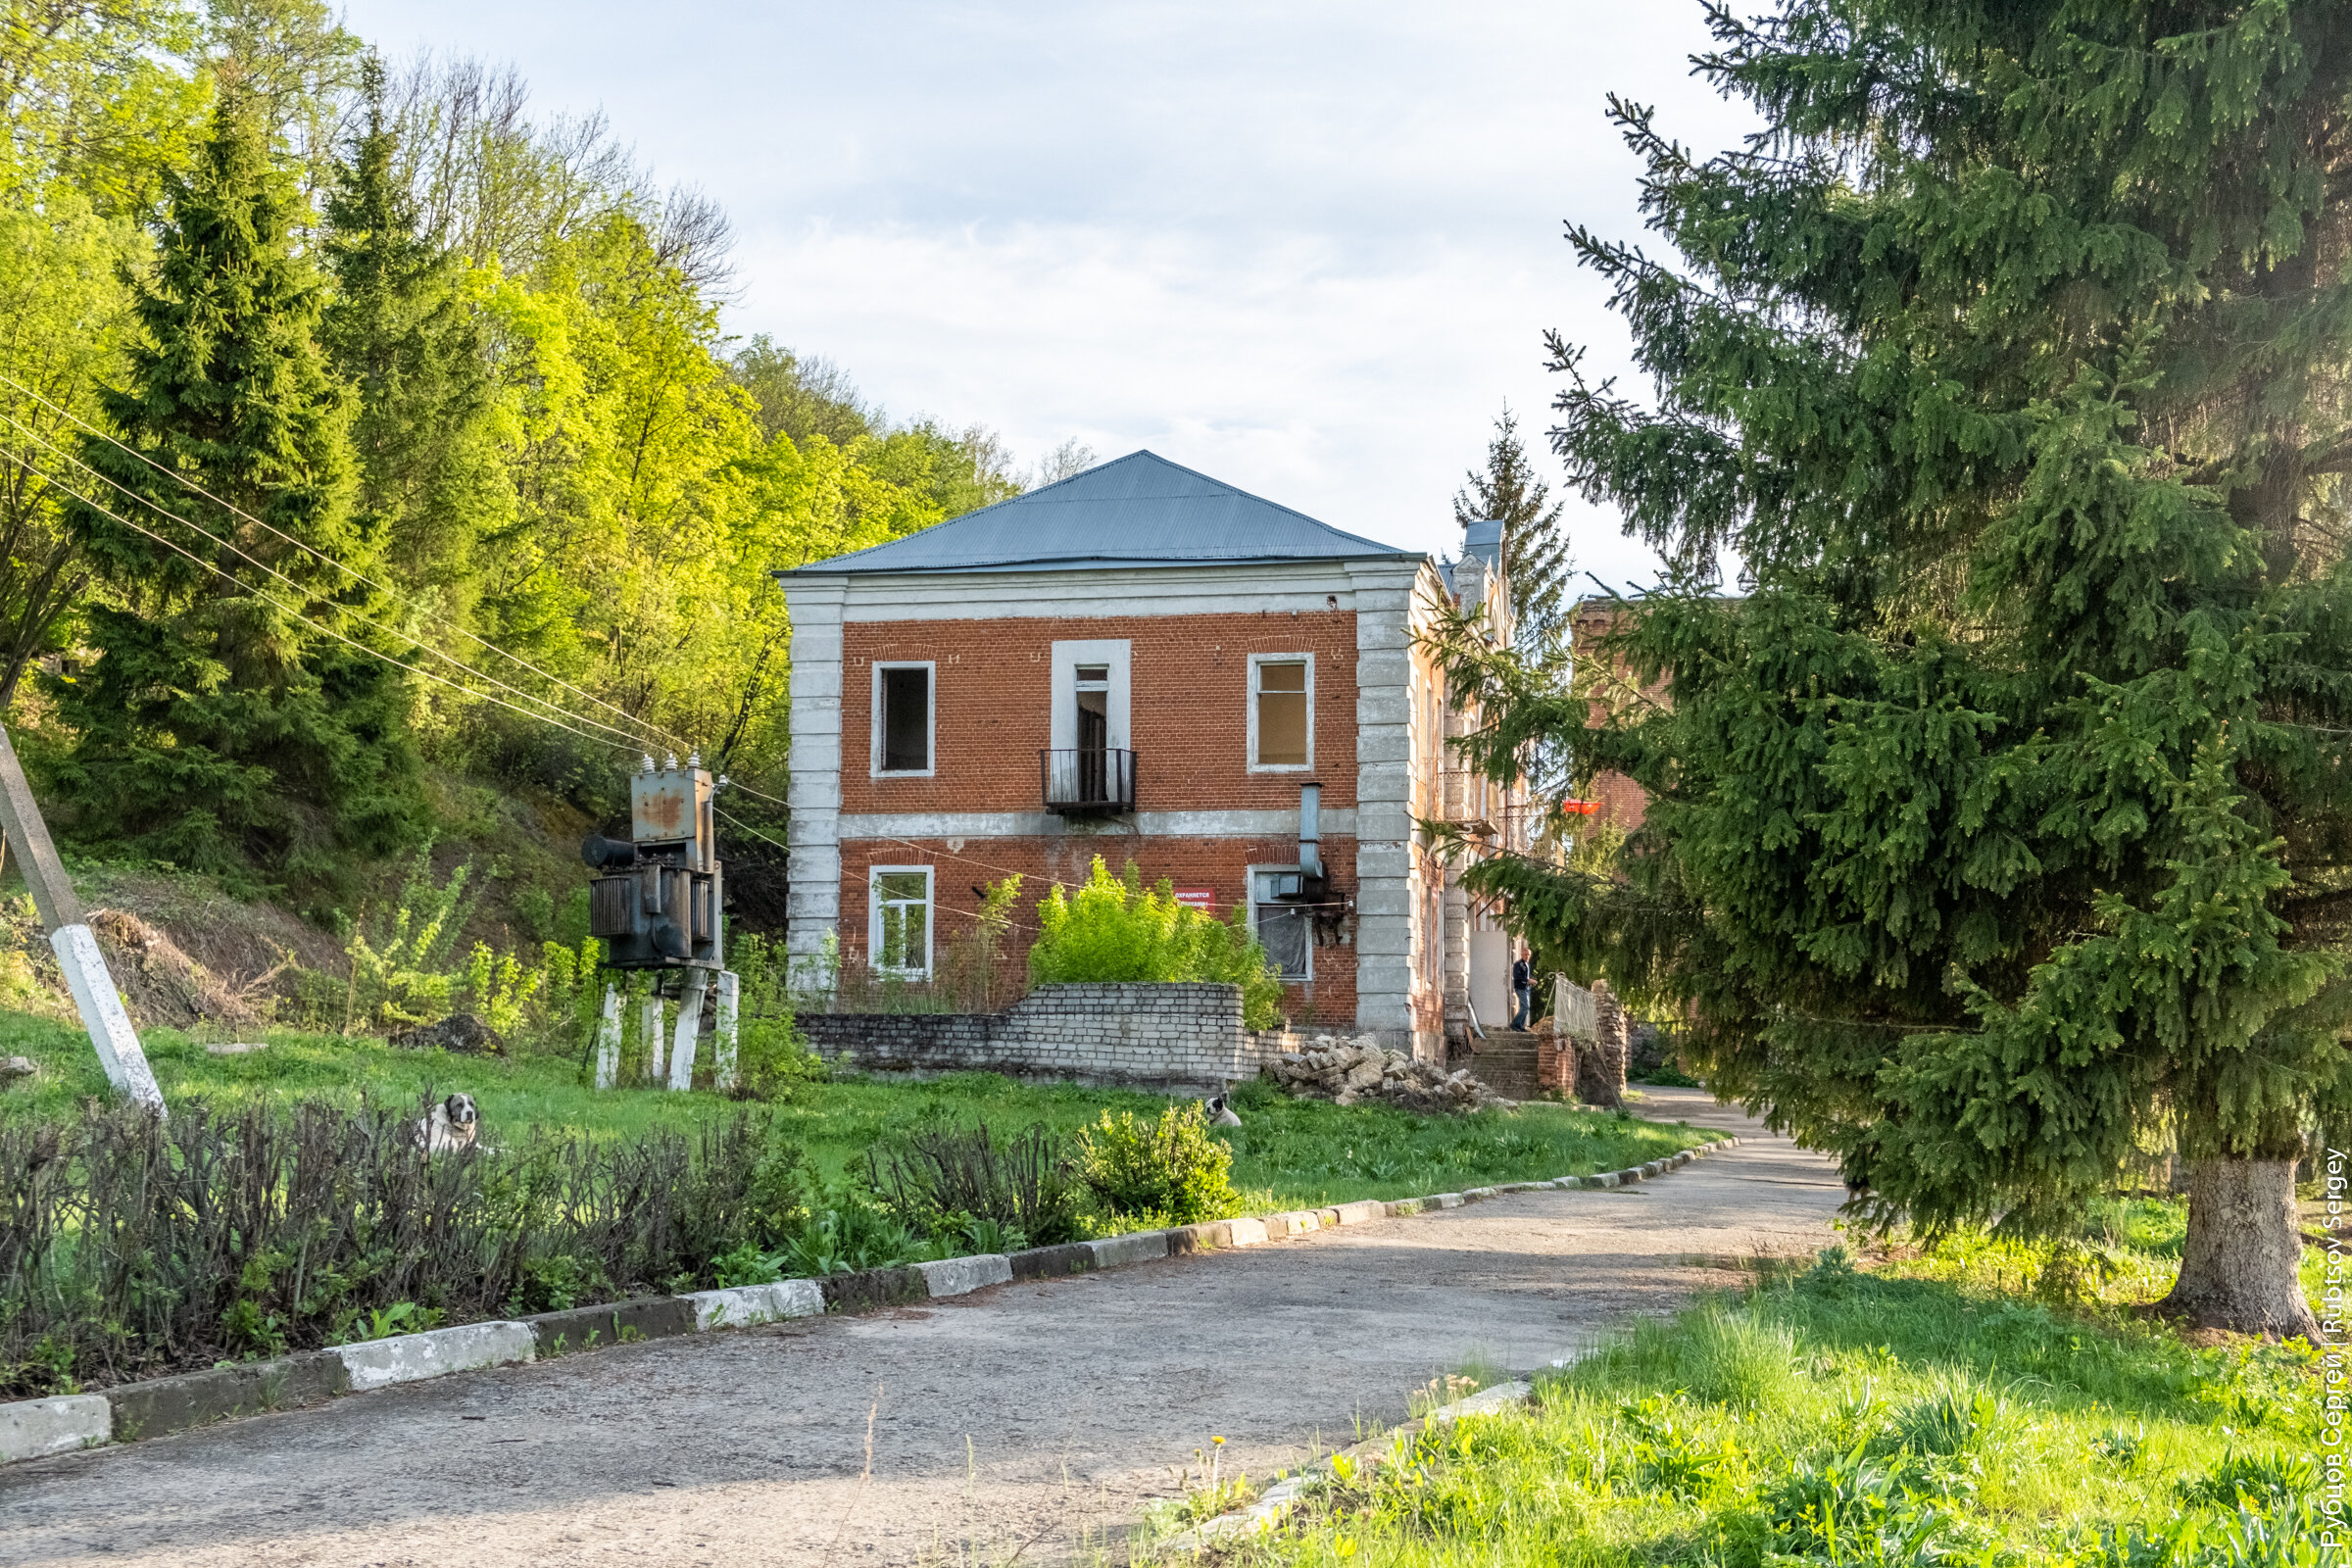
(1096, 782)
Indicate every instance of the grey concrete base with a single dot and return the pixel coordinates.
(1052, 1262)
(871, 1290)
(1445, 1199)
(585, 1327)
(412, 1358)
(164, 1405)
(1246, 1232)
(746, 1305)
(960, 1276)
(1362, 1212)
(34, 1429)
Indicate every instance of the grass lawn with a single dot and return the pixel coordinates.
(1925, 1408)
(1286, 1154)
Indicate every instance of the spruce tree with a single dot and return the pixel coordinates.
(1534, 549)
(2005, 826)
(398, 330)
(219, 729)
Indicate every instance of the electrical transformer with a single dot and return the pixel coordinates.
(656, 905)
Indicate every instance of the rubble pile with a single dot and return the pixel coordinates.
(1349, 1071)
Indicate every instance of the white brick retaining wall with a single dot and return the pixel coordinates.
(1175, 1035)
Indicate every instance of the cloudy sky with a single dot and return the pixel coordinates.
(1307, 248)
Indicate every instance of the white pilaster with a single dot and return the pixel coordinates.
(812, 838)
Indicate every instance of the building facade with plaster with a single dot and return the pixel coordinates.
(1144, 663)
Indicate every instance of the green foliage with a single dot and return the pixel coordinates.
(402, 975)
(1113, 929)
(959, 1184)
(1912, 1422)
(1171, 1169)
(2001, 822)
(772, 1059)
(219, 731)
(145, 1249)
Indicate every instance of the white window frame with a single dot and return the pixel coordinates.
(930, 720)
(1249, 696)
(1250, 897)
(873, 919)
(1117, 656)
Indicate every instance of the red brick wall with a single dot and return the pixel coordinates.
(1219, 864)
(1187, 703)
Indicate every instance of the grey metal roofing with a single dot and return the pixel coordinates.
(1136, 510)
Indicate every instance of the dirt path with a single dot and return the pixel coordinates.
(1034, 1414)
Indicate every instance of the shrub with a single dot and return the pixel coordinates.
(772, 1059)
(1113, 929)
(130, 1249)
(961, 1183)
(1170, 1168)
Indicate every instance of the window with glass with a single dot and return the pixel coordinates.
(902, 723)
(1280, 716)
(900, 920)
(1283, 929)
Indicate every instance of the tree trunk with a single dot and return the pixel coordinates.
(2239, 1265)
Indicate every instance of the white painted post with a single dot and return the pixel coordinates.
(69, 936)
(608, 1038)
(690, 1028)
(649, 1035)
(730, 994)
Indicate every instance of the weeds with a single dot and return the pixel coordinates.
(948, 1180)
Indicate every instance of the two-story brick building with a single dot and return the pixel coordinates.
(1144, 663)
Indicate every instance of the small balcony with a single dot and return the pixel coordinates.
(1088, 782)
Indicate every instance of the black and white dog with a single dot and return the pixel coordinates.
(454, 1125)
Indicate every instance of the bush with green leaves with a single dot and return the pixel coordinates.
(965, 1185)
(1172, 1169)
(131, 1248)
(1115, 929)
(773, 1057)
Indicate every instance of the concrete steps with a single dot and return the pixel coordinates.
(1504, 1061)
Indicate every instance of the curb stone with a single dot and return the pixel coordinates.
(413, 1357)
(962, 1276)
(32, 1429)
(747, 1304)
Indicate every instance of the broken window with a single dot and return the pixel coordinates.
(1282, 712)
(1282, 928)
(905, 721)
(900, 928)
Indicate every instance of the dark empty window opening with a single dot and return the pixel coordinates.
(905, 720)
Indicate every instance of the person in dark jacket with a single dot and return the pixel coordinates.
(1523, 987)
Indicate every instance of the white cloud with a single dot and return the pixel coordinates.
(1307, 248)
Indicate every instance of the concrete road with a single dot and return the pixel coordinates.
(1031, 1419)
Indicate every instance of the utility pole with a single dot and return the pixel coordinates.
(118, 1043)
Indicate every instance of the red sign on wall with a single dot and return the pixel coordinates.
(1203, 899)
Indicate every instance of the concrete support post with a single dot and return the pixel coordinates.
(689, 1030)
(730, 995)
(649, 1036)
(101, 1004)
(608, 1038)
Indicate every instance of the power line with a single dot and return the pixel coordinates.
(635, 742)
(188, 483)
(297, 614)
(935, 904)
